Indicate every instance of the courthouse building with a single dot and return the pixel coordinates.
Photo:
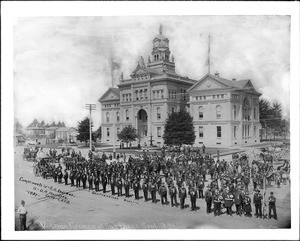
(225, 112)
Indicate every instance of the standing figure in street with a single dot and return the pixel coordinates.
(163, 194)
(200, 187)
(257, 199)
(173, 194)
(126, 187)
(119, 186)
(247, 205)
(217, 203)
(182, 196)
(90, 180)
(96, 183)
(153, 188)
(66, 176)
(84, 178)
(228, 201)
(193, 196)
(272, 205)
(136, 188)
(23, 213)
(208, 199)
(145, 188)
(238, 202)
(104, 183)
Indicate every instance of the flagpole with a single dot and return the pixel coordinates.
(208, 60)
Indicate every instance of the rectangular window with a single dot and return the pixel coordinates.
(234, 132)
(214, 96)
(158, 131)
(254, 113)
(107, 132)
(205, 97)
(218, 96)
(201, 131)
(254, 132)
(234, 111)
(219, 131)
(222, 96)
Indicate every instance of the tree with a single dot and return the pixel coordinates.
(264, 116)
(128, 134)
(18, 127)
(84, 130)
(63, 124)
(98, 133)
(276, 120)
(179, 129)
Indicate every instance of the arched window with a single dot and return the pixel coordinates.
(118, 116)
(200, 112)
(172, 109)
(158, 113)
(219, 112)
(107, 117)
(246, 109)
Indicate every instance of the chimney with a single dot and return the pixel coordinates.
(217, 74)
(234, 79)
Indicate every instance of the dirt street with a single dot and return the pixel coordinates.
(53, 206)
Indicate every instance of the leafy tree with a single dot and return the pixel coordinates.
(128, 134)
(63, 124)
(179, 129)
(264, 116)
(98, 133)
(84, 131)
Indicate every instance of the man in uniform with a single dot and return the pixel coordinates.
(238, 202)
(163, 193)
(173, 194)
(22, 212)
(84, 178)
(104, 183)
(66, 176)
(153, 188)
(272, 205)
(247, 205)
(217, 202)
(182, 196)
(96, 183)
(200, 186)
(257, 199)
(119, 186)
(145, 188)
(72, 174)
(126, 186)
(193, 196)
(228, 201)
(90, 180)
(208, 199)
(136, 188)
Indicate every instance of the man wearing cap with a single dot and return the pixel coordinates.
(228, 201)
(238, 201)
(126, 187)
(200, 186)
(272, 205)
(163, 193)
(208, 199)
(145, 188)
(247, 205)
(22, 212)
(218, 199)
(153, 188)
(182, 196)
(257, 199)
(173, 194)
(193, 196)
(136, 188)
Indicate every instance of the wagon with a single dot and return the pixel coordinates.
(44, 167)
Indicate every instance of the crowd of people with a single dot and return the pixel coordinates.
(175, 176)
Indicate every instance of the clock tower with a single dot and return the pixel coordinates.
(160, 59)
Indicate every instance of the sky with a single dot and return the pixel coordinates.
(63, 63)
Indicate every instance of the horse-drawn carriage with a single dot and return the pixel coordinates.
(44, 167)
(29, 154)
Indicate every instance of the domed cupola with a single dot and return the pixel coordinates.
(160, 59)
(161, 50)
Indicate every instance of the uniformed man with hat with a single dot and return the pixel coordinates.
(153, 189)
(136, 188)
(145, 188)
(193, 196)
(218, 199)
(182, 196)
(173, 195)
(257, 199)
(208, 199)
(247, 205)
(163, 194)
(272, 205)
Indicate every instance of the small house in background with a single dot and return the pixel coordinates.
(66, 134)
(50, 134)
(35, 131)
